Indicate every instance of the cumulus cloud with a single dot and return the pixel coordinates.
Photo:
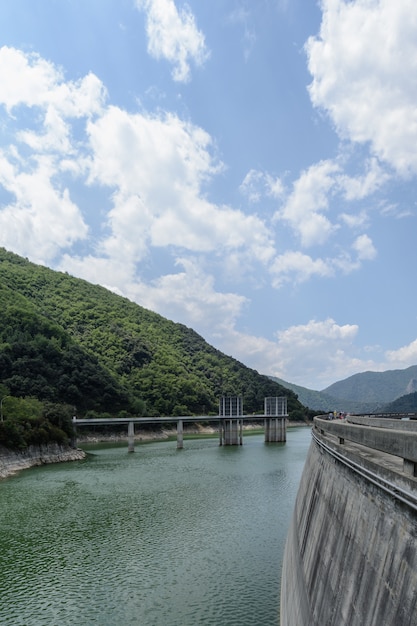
(364, 68)
(173, 35)
(190, 296)
(42, 219)
(364, 248)
(28, 79)
(403, 357)
(323, 347)
(309, 199)
(133, 153)
(294, 266)
(360, 187)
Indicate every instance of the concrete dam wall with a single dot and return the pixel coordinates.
(351, 551)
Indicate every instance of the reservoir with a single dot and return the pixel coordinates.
(160, 537)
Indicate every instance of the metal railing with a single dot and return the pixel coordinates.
(407, 497)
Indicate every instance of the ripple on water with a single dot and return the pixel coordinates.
(158, 538)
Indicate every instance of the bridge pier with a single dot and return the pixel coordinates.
(231, 432)
(180, 439)
(275, 429)
(73, 442)
(131, 437)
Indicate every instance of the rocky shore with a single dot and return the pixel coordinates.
(12, 461)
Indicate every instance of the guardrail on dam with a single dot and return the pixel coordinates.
(351, 552)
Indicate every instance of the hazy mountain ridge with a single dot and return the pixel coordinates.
(363, 392)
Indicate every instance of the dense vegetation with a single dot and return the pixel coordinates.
(28, 421)
(376, 387)
(64, 341)
(405, 404)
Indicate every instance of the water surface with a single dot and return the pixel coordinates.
(161, 537)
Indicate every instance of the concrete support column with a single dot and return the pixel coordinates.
(232, 432)
(180, 439)
(275, 429)
(131, 437)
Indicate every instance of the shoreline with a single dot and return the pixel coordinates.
(13, 461)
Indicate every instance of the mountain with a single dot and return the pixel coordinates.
(404, 404)
(366, 392)
(324, 402)
(377, 388)
(64, 340)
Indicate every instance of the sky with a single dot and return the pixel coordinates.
(247, 168)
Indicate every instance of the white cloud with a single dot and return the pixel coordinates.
(257, 184)
(173, 35)
(190, 296)
(39, 217)
(358, 220)
(304, 207)
(323, 348)
(294, 266)
(364, 68)
(365, 248)
(403, 357)
(359, 187)
(30, 80)
(43, 219)
(112, 273)
(133, 153)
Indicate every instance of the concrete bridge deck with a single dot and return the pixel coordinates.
(230, 426)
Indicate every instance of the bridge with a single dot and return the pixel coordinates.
(230, 422)
(351, 551)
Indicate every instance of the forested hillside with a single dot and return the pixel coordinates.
(65, 341)
(405, 404)
(376, 387)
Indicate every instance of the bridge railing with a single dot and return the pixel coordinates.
(398, 438)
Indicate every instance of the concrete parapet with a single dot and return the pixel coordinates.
(383, 422)
(351, 552)
(399, 443)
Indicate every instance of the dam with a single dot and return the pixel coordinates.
(350, 557)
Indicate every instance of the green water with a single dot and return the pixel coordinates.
(161, 537)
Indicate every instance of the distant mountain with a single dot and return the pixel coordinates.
(376, 388)
(365, 392)
(322, 401)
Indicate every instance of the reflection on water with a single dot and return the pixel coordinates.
(161, 537)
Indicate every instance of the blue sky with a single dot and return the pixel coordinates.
(247, 168)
